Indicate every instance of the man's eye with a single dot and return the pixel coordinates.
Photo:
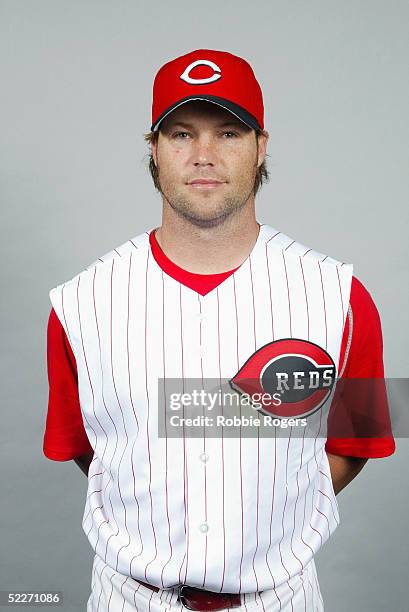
(182, 134)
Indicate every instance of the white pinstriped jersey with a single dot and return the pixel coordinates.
(234, 514)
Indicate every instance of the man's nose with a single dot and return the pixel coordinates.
(203, 151)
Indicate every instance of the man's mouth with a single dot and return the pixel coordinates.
(205, 183)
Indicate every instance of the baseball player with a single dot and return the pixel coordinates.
(196, 520)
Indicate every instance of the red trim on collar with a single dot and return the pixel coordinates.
(202, 283)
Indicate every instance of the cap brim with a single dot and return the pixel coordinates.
(235, 109)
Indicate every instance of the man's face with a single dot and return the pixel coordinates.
(200, 140)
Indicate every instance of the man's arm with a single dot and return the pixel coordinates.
(344, 469)
(65, 437)
(83, 461)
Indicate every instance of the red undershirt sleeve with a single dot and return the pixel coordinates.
(65, 436)
(365, 361)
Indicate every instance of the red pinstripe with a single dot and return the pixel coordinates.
(327, 496)
(288, 294)
(316, 462)
(123, 421)
(100, 424)
(166, 431)
(92, 392)
(271, 516)
(271, 299)
(122, 585)
(306, 300)
(258, 428)
(223, 473)
(282, 519)
(291, 429)
(185, 472)
(326, 346)
(325, 309)
(308, 474)
(241, 466)
(272, 237)
(340, 293)
(148, 408)
(126, 434)
(305, 498)
(204, 439)
(133, 408)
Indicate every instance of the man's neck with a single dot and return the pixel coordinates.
(208, 250)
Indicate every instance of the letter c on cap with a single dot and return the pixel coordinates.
(217, 72)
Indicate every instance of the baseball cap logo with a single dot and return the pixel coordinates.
(301, 372)
(217, 73)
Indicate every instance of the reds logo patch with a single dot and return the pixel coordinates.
(217, 73)
(301, 373)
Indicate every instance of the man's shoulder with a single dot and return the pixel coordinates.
(120, 253)
(292, 246)
(363, 306)
(132, 245)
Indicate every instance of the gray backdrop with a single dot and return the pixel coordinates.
(76, 92)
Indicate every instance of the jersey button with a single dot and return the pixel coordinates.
(204, 457)
(204, 527)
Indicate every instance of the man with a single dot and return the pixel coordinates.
(197, 520)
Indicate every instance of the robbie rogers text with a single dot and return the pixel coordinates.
(235, 421)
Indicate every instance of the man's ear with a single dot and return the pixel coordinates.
(154, 150)
(262, 146)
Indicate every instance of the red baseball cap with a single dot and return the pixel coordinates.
(215, 76)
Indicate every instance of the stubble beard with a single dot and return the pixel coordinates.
(221, 211)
